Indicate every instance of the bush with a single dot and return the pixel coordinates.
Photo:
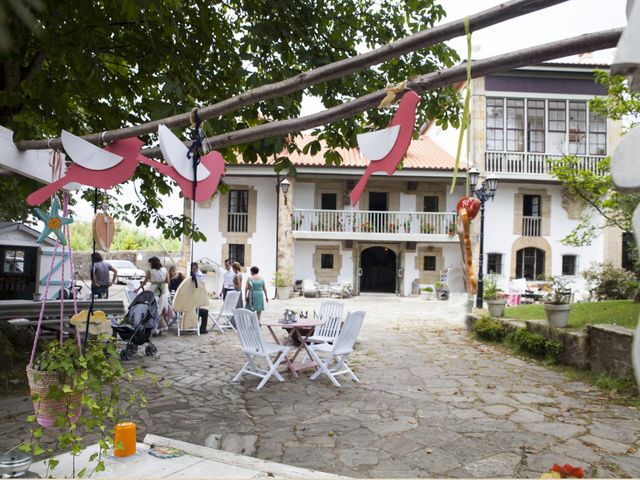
(489, 329)
(535, 344)
(609, 283)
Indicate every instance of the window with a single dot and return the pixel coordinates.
(597, 134)
(530, 263)
(430, 204)
(236, 253)
(429, 263)
(494, 263)
(329, 201)
(495, 124)
(326, 260)
(515, 125)
(238, 211)
(13, 261)
(535, 126)
(629, 253)
(557, 116)
(569, 264)
(531, 205)
(577, 127)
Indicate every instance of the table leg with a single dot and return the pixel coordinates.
(286, 359)
(303, 344)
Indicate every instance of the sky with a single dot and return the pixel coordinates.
(566, 20)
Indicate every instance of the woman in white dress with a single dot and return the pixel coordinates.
(159, 278)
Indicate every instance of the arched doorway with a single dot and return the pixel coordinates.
(378, 266)
(530, 263)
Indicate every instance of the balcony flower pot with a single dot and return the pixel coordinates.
(496, 307)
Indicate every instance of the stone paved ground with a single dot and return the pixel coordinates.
(432, 402)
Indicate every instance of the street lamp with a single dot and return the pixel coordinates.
(483, 193)
(284, 185)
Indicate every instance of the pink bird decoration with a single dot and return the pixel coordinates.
(385, 148)
(93, 166)
(180, 167)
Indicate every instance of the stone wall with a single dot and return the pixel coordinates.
(82, 260)
(599, 348)
(610, 349)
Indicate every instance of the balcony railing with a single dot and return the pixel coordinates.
(237, 222)
(533, 163)
(347, 221)
(531, 226)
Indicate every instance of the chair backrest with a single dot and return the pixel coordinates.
(518, 285)
(347, 338)
(230, 302)
(332, 312)
(309, 285)
(248, 329)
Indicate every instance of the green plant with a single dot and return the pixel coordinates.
(491, 289)
(558, 293)
(489, 329)
(534, 343)
(426, 227)
(281, 279)
(97, 377)
(428, 289)
(606, 282)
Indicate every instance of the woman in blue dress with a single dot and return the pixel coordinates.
(257, 292)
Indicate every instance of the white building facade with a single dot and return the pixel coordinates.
(402, 231)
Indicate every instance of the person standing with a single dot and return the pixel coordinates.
(227, 278)
(159, 278)
(257, 292)
(237, 282)
(100, 279)
(197, 277)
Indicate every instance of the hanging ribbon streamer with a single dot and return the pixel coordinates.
(194, 152)
(465, 121)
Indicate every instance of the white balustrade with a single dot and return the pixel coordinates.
(237, 222)
(533, 163)
(331, 221)
(531, 226)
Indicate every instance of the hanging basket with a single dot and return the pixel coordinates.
(47, 409)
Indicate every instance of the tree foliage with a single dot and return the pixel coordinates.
(126, 238)
(96, 65)
(596, 190)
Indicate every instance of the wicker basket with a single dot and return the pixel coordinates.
(46, 409)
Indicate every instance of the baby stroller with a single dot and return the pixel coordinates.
(141, 320)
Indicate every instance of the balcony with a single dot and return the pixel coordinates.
(532, 165)
(237, 222)
(370, 225)
(531, 226)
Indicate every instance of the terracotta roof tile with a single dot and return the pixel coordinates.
(423, 154)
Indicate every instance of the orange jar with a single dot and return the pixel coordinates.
(125, 433)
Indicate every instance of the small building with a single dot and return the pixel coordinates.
(25, 264)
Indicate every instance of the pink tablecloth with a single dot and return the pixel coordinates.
(511, 298)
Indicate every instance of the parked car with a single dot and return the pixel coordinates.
(127, 271)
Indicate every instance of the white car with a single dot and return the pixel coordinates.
(127, 271)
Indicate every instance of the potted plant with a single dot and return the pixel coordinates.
(282, 281)
(557, 304)
(491, 295)
(407, 224)
(426, 227)
(80, 392)
(428, 292)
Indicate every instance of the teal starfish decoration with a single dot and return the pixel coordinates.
(53, 222)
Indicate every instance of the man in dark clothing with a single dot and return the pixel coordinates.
(100, 278)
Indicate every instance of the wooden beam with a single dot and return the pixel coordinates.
(417, 41)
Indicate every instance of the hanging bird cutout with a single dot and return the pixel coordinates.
(385, 148)
(93, 166)
(53, 222)
(180, 168)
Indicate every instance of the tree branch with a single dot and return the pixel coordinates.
(423, 39)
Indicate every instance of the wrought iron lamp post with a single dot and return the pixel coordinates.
(483, 193)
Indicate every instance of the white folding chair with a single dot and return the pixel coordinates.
(226, 312)
(253, 347)
(332, 312)
(339, 351)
